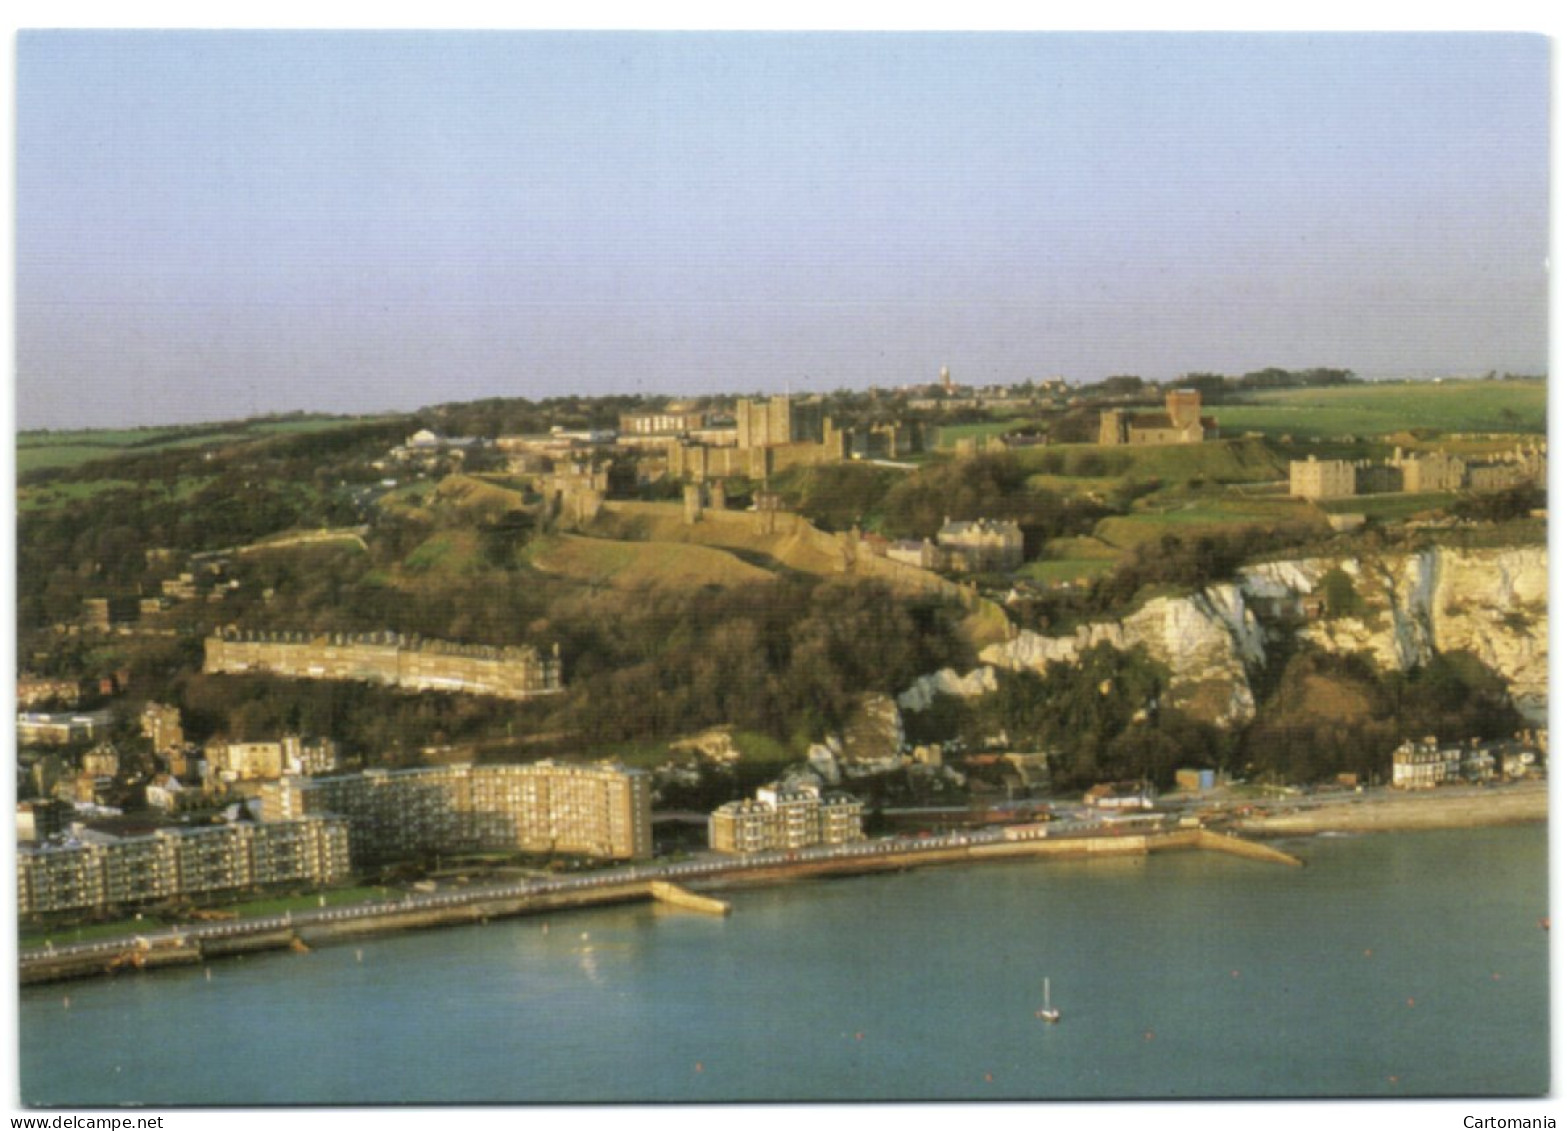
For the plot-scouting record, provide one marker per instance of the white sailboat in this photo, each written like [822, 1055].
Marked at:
[1047, 1014]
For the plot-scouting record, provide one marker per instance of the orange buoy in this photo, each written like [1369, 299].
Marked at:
[699, 1066]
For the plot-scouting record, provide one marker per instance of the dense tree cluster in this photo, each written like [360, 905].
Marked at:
[985, 486]
[789, 658]
[1193, 562]
[1332, 714]
[1501, 506]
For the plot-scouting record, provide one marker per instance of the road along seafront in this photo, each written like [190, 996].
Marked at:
[672, 882]
[1445, 807]
[302, 930]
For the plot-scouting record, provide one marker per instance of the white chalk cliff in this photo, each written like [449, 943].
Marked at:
[1489, 602]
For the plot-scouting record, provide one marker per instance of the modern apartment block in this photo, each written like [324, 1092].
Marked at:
[603, 810]
[101, 871]
[784, 818]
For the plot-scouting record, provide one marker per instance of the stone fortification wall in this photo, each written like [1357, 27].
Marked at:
[389, 658]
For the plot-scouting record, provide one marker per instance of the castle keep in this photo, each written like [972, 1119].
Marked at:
[408, 662]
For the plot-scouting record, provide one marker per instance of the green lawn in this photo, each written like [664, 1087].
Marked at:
[1387, 506]
[31, 936]
[68, 936]
[948, 435]
[337, 897]
[1201, 514]
[1057, 570]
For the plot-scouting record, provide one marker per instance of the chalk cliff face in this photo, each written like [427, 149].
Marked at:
[1489, 602]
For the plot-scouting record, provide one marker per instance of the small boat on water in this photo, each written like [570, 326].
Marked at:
[1048, 1014]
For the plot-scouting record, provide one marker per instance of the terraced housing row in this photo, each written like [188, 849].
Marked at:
[408, 662]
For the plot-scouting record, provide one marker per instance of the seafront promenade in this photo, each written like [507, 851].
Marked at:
[302, 930]
[672, 882]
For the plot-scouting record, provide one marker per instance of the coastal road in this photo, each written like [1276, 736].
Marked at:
[686, 871]
[711, 867]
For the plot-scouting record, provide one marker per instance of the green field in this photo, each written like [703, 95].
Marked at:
[49, 449]
[1204, 514]
[948, 435]
[1387, 506]
[1380, 409]
[1059, 570]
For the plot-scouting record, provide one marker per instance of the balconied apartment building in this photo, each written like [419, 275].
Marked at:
[602, 810]
[102, 871]
[785, 818]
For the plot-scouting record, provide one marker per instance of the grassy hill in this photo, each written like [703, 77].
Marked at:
[476, 499]
[793, 545]
[639, 565]
[1241, 460]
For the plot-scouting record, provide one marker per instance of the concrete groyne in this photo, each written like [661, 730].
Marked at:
[677, 896]
[1250, 849]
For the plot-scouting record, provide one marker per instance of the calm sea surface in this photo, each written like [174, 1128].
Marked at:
[1394, 965]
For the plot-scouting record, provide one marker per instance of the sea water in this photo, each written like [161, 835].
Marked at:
[1410, 964]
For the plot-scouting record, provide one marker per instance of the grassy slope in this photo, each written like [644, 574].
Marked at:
[640, 565]
[791, 548]
[484, 502]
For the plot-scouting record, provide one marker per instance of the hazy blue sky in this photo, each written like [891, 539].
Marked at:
[215, 224]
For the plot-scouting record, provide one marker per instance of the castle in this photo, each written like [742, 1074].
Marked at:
[1182, 422]
[1415, 473]
[407, 662]
[775, 433]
